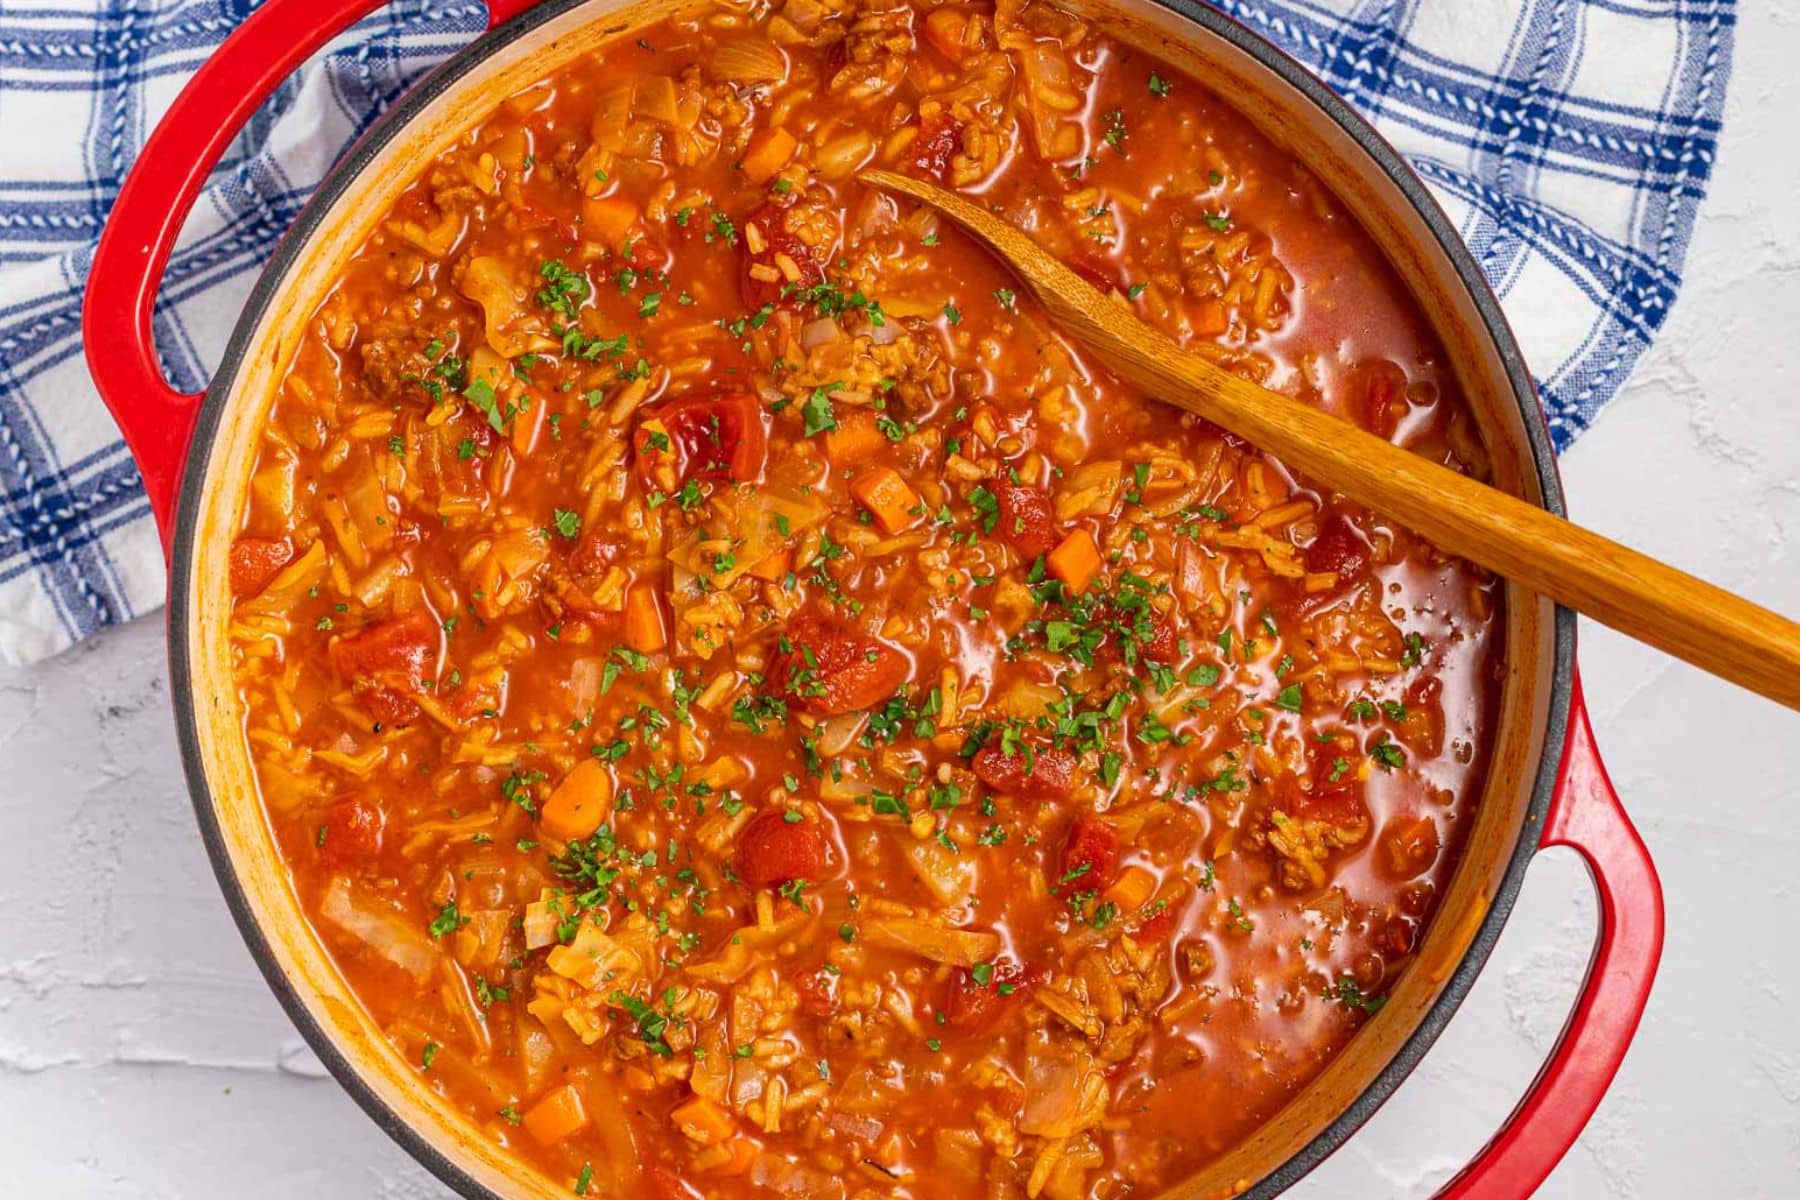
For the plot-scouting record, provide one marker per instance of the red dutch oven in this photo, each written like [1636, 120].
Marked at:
[1546, 785]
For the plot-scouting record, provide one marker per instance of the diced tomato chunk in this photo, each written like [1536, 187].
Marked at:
[1149, 635]
[350, 833]
[1045, 773]
[827, 669]
[1383, 386]
[593, 554]
[649, 253]
[388, 662]
[1338, 547]
[1162, 645]
[539, 210]
[397, 647]
[818, 992]
[1025, 522]
[472, 700]
[716, 436]
[1339, 804]
[1090, 857]
[780, 266]
[939, 140]
[386, 705]
[1156, 927]
[255, 561]
[773, 850]
[971, 1004]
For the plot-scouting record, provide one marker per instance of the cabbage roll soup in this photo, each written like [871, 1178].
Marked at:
[754, 711]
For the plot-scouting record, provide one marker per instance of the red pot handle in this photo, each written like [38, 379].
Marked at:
[157, 420]
[1585, 815]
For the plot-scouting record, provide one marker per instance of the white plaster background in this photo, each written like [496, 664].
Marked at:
[141, 1057]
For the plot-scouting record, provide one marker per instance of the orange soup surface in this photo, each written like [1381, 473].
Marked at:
[755, 711]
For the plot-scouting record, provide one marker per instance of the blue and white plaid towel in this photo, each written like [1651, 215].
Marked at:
[1570, 140]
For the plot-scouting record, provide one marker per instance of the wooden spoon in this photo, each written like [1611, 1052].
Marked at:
[1635, 594]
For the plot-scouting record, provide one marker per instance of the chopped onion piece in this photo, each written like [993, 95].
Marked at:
[750, 60]
[584, 683]
[957, 947]
[378, 927]
[821, 332]
[836, 734]
[947, 875]
[1063, 1095]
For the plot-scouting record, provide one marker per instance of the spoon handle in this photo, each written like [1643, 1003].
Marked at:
[1648, 600]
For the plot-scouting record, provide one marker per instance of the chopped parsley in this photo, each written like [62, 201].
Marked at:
[1115, 129]
[816, 411]
[1349, 993]
[448, 920]
[650, 1023]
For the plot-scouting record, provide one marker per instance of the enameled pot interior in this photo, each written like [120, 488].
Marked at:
[1294, 111]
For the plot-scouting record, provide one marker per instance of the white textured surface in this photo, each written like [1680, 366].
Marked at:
[142, 1057]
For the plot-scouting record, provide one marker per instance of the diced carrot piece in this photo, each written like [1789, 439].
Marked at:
[893, 504]
[580, 803]
[1210, 319]
[1132, 888]
[767, 153]
[855, 438]
[703, 1121]
[774, 567]
[607, 218]
[528, 424]
[556, 1116]
[644, 628]
[1075, 560]
[255, 561]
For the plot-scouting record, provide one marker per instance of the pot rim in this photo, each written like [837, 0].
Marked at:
[346, 172]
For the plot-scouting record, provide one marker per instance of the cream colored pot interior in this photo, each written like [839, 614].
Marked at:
[213, 511]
